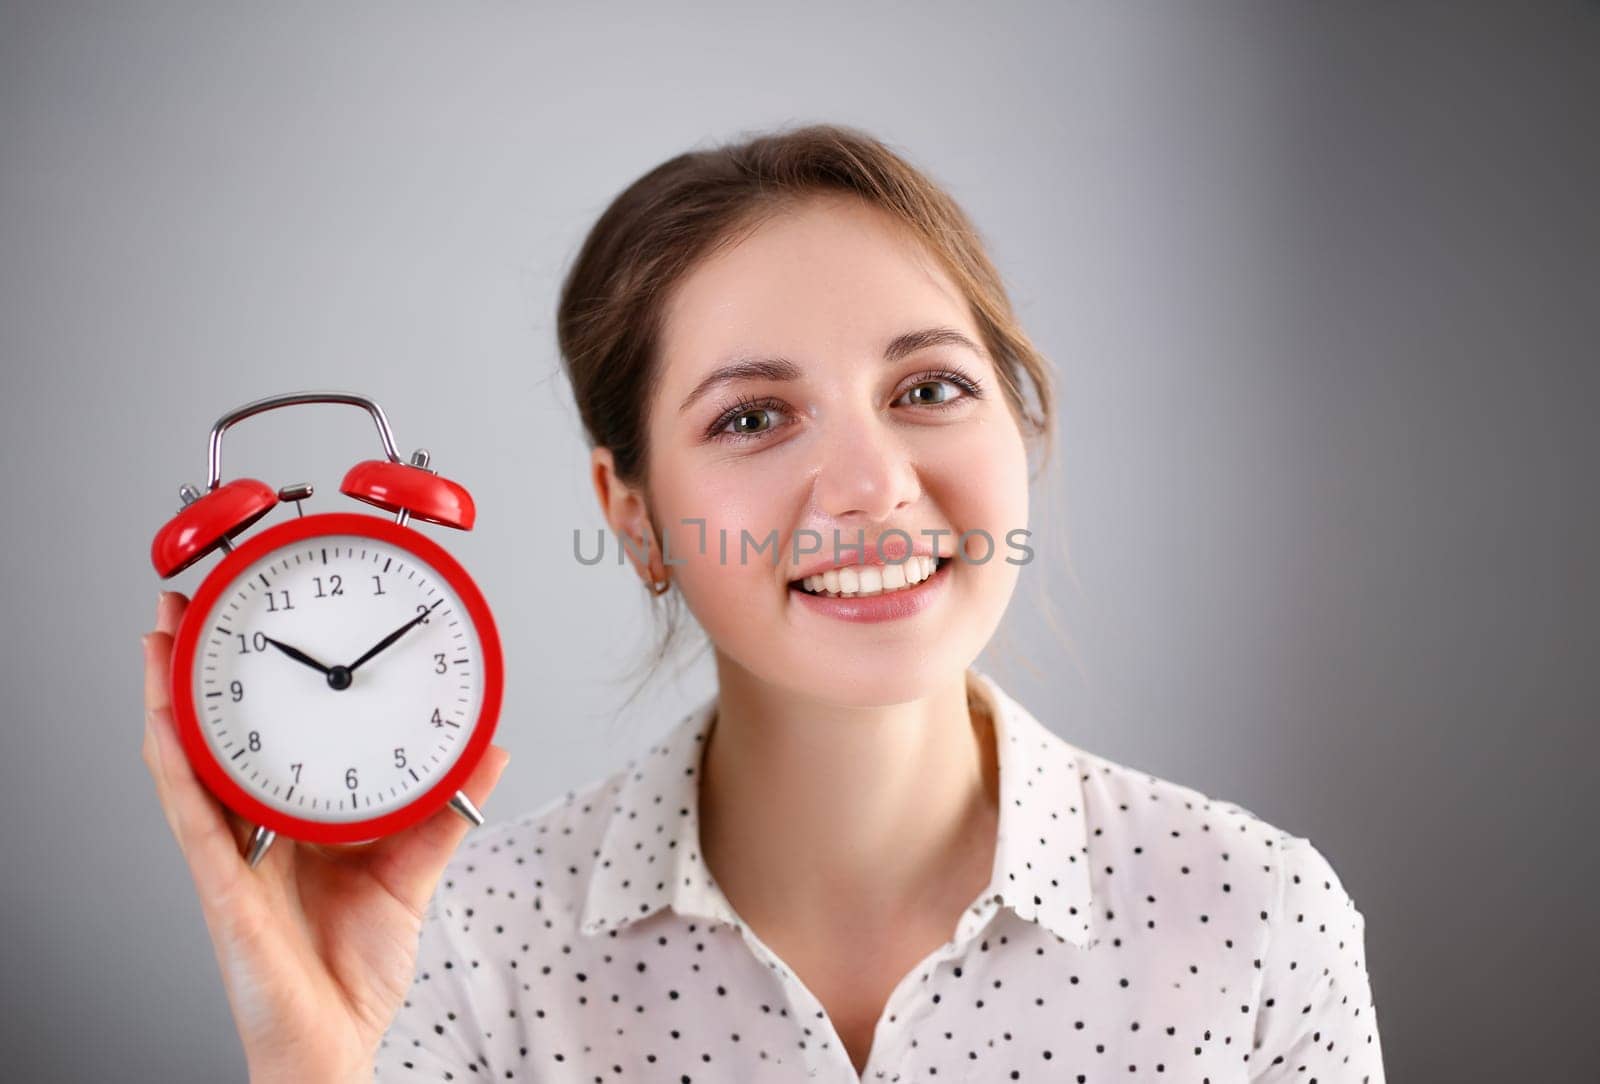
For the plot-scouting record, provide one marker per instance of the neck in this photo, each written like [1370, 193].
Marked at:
[808, 808]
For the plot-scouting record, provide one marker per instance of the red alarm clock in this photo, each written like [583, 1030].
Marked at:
[337, 676]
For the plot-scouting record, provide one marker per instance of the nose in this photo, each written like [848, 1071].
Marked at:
[866, 472]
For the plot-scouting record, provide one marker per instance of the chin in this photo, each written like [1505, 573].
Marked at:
[873, 677]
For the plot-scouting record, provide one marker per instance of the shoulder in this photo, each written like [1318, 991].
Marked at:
[1130, 806]
[1197, 871]
[540, 859]
[1150, 836]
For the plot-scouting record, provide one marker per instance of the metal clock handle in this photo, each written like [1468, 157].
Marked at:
[300, 491]
[273, 402]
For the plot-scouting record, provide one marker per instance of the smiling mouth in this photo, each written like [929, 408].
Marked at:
[865, 581]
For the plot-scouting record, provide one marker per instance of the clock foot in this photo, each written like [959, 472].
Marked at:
[260, 840]
[469, 812]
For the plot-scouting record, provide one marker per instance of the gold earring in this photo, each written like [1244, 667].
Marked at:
[661, 586]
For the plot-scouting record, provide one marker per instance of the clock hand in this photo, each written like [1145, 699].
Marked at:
[296, 654]
[393, 636]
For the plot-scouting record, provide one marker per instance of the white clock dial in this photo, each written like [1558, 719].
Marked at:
[290, 708]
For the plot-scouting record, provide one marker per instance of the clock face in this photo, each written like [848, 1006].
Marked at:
[337, 678]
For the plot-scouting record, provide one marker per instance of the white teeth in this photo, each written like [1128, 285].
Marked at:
[871, 579]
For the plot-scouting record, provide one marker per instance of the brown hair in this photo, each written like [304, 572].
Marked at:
[611, 312]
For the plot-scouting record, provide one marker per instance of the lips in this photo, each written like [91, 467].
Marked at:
[872, 579]
[885, 551]
[893, 605]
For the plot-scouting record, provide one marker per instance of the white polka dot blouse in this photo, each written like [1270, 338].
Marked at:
[1133, 930]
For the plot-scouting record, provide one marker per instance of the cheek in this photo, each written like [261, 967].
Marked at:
[733, 506]
[980, 482]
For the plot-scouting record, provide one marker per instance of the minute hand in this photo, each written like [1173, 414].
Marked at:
[393, 636]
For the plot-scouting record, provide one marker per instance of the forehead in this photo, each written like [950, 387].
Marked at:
[831, 275]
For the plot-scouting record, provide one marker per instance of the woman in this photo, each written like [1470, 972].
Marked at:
[811, 412]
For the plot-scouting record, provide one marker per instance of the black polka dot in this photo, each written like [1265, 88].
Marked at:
[1116, 939]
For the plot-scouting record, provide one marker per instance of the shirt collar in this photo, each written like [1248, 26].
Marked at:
[649, 856]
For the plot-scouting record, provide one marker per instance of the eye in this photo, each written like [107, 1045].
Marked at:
[746, 417]
[935, 386]
[743, 419]
[943, 379]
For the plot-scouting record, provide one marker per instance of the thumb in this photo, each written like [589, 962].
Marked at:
[410, 863]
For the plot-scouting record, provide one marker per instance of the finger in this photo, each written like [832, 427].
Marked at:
[410, 863]
[158, 695]
[157, 670]
[209, 841]
[151, 753]
[169, 611]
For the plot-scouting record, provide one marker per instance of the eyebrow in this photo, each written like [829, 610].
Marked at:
[783, 369]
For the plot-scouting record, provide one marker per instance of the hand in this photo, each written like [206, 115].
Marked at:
[317, 945]
[296, 654]
[393, 636]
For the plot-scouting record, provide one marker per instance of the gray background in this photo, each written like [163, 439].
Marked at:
[1320, 281]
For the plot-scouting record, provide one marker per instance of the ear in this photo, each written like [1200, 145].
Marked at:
[622, 505]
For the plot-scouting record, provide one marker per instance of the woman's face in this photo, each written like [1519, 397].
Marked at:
[848, 440]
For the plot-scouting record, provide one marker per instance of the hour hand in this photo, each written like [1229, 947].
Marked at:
[296, 654]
